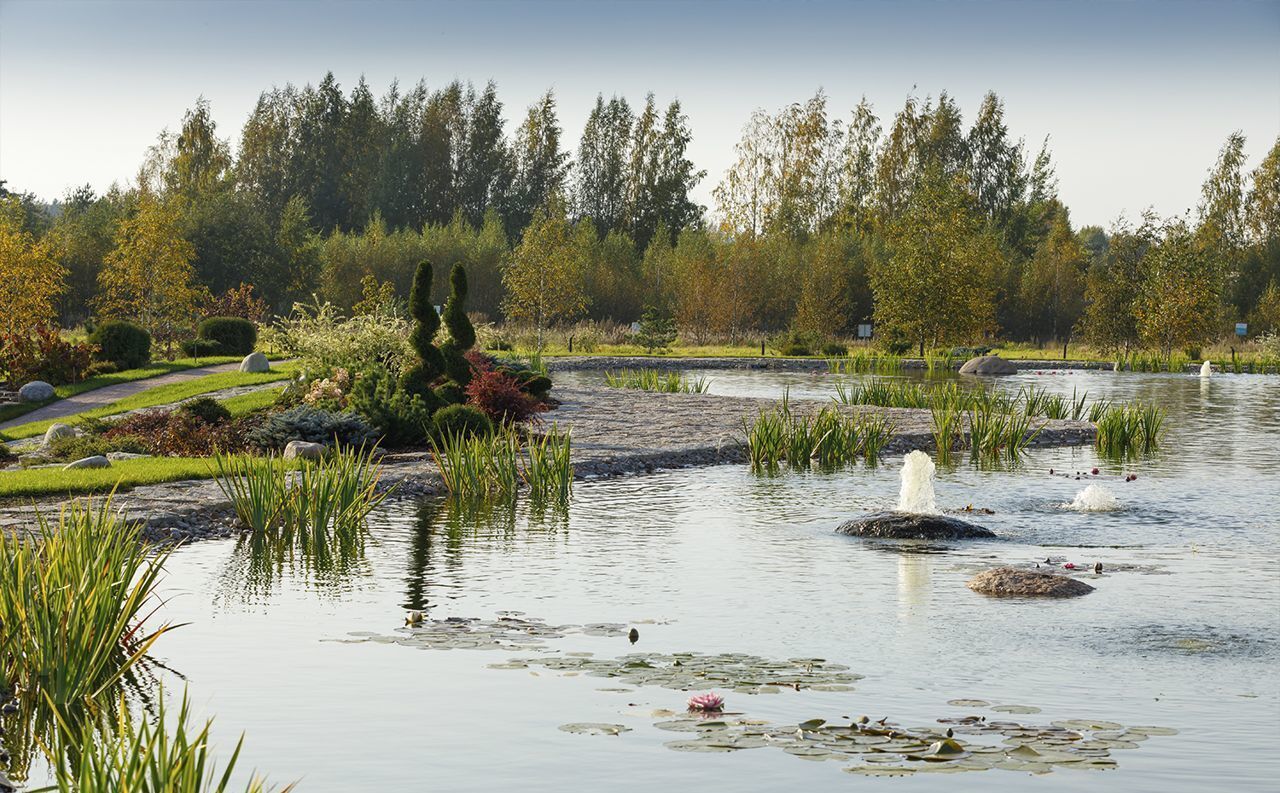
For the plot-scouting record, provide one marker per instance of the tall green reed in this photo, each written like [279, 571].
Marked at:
[75, 603]
[126, 756]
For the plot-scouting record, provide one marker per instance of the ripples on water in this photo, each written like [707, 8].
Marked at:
[1182, 630]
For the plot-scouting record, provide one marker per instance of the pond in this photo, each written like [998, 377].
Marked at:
[309, 655]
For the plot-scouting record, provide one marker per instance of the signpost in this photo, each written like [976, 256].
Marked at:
[1242, 329]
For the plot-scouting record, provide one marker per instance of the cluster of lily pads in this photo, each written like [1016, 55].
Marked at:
[881, 748]
[874, 748]
[509, 631]
[739, 672]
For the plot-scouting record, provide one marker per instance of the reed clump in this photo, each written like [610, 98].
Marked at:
[826, 439]
[76, 600]
[270, 493]
[495, 466]
[656, 380]
[1129, 430]
[119, 755]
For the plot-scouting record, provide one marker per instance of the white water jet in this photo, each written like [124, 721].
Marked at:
[1094, 498]
[1206, 369]
[916, 495]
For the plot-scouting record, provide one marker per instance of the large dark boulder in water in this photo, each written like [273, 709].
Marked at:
[988, 364]
[1012, 582]
[913, 526]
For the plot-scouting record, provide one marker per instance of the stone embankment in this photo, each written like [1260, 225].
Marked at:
[615, 432]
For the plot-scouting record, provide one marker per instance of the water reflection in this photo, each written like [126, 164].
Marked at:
[327, 560]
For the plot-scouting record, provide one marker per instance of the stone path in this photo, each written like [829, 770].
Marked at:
[100, 397]
[615, 432]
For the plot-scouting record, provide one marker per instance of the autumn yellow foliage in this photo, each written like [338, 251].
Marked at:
[30, 277]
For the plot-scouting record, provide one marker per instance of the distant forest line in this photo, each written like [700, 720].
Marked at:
[937, 229]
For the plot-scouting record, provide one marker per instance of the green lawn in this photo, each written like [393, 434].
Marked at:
[122, 474]
[247, 403]
[154, 369]
[162, 395]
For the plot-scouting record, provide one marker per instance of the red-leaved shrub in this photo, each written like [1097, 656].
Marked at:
[177, 433]
[480, 361]
[498, 395]
[43, 354]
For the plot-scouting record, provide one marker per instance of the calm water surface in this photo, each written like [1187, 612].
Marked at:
[1185, 632]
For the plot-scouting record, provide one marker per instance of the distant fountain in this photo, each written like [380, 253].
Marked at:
[1094, 498]
[917, 516]
[1206, 369]
[916, 495]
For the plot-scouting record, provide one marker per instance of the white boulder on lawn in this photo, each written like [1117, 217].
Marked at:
[302, 450]
[57, 431]
[35, 391]
[97, 461]
[255, 362]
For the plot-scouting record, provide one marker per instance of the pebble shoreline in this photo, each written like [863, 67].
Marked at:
[616, 432]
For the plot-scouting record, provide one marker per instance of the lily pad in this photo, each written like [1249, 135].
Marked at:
[595, 728]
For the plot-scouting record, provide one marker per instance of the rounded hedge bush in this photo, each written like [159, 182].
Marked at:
[200, 348]
[461, 421]
[235, 336]
[124, 344]
[207, 409]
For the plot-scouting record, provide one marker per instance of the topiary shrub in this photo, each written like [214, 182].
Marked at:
[233, 335]
[420, 378]
[449, 394]
[309, 424]
[207, 409]
[124, 344]
[462, 335]
[461, 421]
[500, 397]
[402, 418]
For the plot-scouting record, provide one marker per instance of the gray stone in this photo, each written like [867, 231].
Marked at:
[35, 391]
[1012, 582]
[302, 450]
[255, 362]
[988, 364]
[913, 526]
[57, 431]
[97, 461]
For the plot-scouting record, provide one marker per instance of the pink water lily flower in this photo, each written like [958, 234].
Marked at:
[706, 702]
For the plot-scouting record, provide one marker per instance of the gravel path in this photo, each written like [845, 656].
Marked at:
[615, 432]
[100, 397]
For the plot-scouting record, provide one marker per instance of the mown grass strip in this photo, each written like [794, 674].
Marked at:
[123, 474]
[161, 395]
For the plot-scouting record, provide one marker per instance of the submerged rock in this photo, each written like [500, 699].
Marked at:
[988, 364]
[913, 526]
[1011, 582]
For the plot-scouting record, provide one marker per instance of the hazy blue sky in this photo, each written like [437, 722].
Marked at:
[1137, 96]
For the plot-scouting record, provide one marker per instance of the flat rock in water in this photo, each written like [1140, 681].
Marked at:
[988, 364]
[1011, 582]
[97, 461]
[913, 526]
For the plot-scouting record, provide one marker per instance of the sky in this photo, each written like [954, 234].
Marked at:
[1137, 96]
